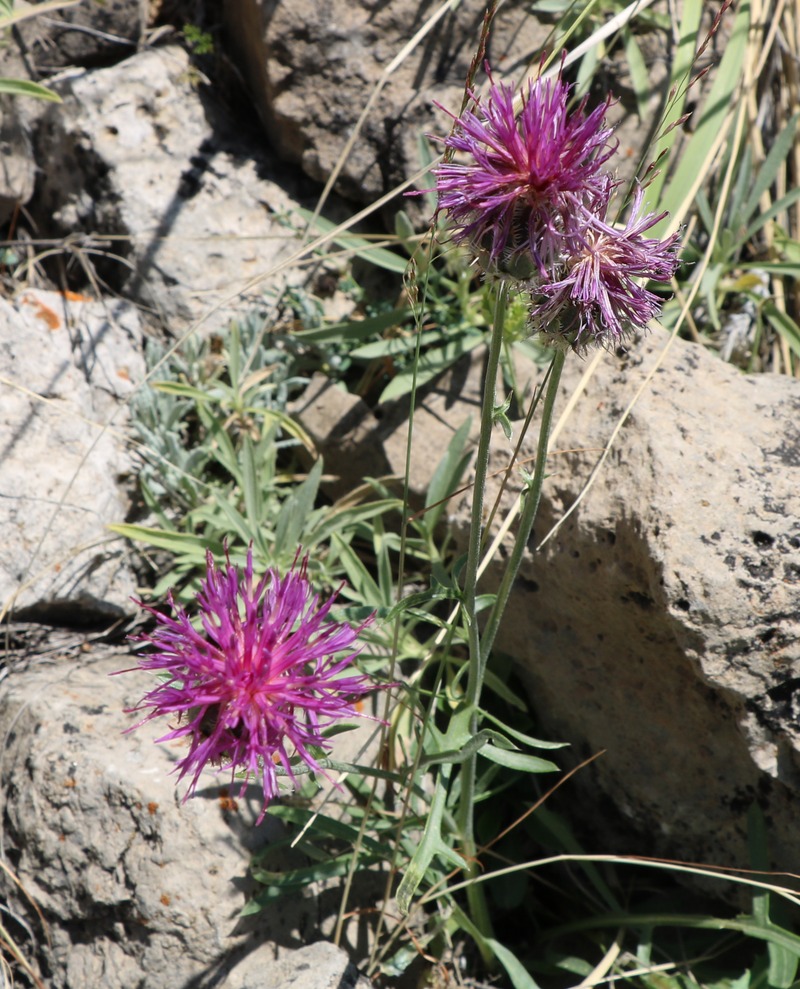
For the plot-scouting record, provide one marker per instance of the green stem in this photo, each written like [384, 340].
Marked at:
[530, 507]
[475, 894]
[474, 681]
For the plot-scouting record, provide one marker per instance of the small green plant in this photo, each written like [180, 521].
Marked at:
[220, 462]
[199, 41]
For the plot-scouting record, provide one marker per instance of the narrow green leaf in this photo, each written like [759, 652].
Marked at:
[519, 975]
[315, 873]
[180, 543]
[181, 389]
[715, 108]
[778, 153]
[359, 246]
[357, 574]
[640, 78]
[224, 515]
[677, 93]
[778, 207]
[518, 736]
[23, 87]
[344, 519]
[737, 217]
[395, 346]
[431, 363]
[520, 761]
[448, 473]
[493, 682]
[359, 329]
[747, 926]
[321, 825]
[295, 511]
[783, 961]
[221, 447]
[251, 490]
[784, 325]
[789, 269]
[432, 844]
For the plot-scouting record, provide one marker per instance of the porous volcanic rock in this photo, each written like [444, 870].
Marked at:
[661, 621]
[179, 214]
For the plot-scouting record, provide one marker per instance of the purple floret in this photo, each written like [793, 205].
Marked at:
[597, 298]
[260, 683]
[524, 178]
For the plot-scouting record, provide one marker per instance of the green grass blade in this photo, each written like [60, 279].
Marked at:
[640, 79]
[778, 207]
[431, 364]
[679, 84]
[183, 544]
[692, 165]
[359, 329]
[295, 511]
[358, 246]
[784, 325]
[768, 172]
[517, 973]
[23, 87]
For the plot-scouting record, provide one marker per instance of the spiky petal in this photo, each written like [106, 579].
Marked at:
[257, 680]
[596, 298]
[523, 179]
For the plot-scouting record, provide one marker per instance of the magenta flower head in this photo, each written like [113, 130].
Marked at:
[594, 296]
[254, 683]
[517, 184]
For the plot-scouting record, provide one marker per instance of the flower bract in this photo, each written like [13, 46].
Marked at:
[256, 679]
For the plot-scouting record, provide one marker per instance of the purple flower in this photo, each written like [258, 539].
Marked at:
[258, 681]
[594, 296]
[525, 178]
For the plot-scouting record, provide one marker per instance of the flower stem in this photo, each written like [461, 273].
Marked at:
[475, 894]
[475, 678]
[530, 507]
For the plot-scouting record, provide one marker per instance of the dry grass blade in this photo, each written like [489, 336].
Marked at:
[7, 942]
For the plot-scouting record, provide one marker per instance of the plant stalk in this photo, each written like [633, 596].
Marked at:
[475, 894]
[527, 517]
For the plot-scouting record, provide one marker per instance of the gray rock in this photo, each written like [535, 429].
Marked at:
[313, 67]
[138, 889]
[68, 364]
[83, 34]
[661, 622]
[134, 155]
[17, 170]
[316, 966]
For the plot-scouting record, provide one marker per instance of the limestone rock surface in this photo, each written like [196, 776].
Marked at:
[181, 214]
[82, 34]
[68, 365]
[138, 889]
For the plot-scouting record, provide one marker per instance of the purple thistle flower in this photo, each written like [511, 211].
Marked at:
[260, 683]
[525, 178]
[597, 298]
